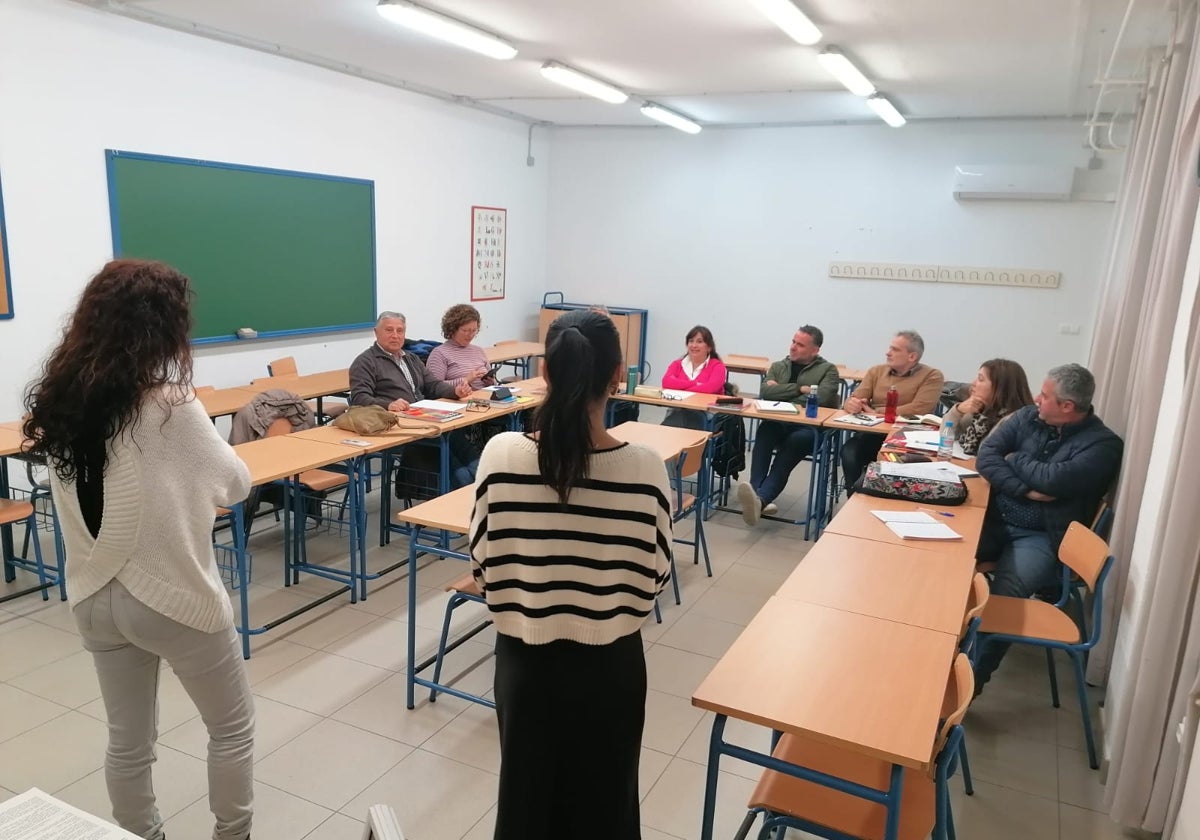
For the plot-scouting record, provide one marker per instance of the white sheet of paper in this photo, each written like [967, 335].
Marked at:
[936, 531]
[914, 517]
[958, 469]
[772, 405]
[932, 471]
[439, 405]
[511, 388]
[672, 394]
[36, 815]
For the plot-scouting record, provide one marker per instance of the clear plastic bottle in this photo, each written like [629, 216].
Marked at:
[946, 441]
[810, 404]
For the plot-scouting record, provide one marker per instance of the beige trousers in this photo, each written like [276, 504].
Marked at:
[128, 642]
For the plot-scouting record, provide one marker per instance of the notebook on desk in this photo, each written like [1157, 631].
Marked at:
[438, 412]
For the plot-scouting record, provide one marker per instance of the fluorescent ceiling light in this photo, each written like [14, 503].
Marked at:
[575, 80]
[838, 66]
[445, 28]
[785, 15]
[886, 110]
[658, 112]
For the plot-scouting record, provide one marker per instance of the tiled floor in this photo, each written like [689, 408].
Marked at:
[334, 737]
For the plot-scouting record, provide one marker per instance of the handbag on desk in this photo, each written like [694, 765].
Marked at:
[929, 491]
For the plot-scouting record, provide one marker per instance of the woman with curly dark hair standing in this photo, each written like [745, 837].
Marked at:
[138, 471]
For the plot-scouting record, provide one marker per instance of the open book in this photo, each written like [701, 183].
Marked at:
[434, 410]
[773, 405]
[859, 419]
[927, 419]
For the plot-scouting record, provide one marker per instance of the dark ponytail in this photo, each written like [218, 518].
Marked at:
[583, 352]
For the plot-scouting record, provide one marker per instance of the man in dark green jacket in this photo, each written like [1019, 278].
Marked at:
[780, 446]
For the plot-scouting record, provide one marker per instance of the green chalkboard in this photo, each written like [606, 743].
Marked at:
[279, 252]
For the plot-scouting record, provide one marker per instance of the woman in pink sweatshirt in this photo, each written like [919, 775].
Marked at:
[700, 369]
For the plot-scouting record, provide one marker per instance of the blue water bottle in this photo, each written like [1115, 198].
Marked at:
[810, 405]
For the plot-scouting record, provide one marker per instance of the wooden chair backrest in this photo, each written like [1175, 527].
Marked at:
[1102, 522]
[1084, 552]
[960, 690]
[692, 458]
[279, 426]
[976, 601]
[283, 367]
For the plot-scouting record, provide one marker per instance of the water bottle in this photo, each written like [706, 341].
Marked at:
[631, 379]
[946, 441]
[893, 400]
[810, 404]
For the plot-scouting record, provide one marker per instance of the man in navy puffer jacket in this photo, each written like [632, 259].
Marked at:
[1049, 465]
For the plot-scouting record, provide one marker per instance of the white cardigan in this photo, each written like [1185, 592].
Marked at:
[164, 479]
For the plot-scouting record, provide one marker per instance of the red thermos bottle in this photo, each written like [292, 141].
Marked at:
[893, 400]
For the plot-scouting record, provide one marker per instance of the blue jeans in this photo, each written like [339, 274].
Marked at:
[789, 444]
[1027, 565]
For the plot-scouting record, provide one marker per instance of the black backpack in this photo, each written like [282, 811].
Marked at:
[729, 445]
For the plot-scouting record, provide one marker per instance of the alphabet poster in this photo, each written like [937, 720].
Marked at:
[6, 307]
[488, 231]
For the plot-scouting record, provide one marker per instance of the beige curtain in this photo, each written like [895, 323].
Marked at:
[1138, 327]
[1140, 295]
[1148, 763]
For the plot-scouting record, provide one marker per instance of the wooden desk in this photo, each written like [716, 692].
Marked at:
[512, 350]
[893, 582]
[226, 400]
[667, 441]
[375, 443]
[282, 457]
[861, 683]
[519, 354]
[737, 363]
[451, 512]
[306, 386]
[855, 520]
[11, 424]
[851, 374]
[798, 417]
[11, 440]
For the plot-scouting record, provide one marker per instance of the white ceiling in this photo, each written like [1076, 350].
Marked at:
[719, 61]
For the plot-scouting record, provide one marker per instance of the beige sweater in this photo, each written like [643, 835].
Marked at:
[163, 482]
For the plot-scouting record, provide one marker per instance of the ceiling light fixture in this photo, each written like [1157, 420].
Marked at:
[785, 15]
[671, 118]
[445, 28]
[835, 62]
[887, 112]
[567, 77]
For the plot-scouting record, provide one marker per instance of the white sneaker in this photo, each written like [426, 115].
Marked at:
[751, 504]
[770, 509]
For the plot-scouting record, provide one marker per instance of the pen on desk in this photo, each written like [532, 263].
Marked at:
[938, 512]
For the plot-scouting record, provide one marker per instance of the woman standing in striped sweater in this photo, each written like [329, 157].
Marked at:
[571, 544]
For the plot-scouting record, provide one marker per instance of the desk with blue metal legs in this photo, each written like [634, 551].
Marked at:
[863, 684]
[519, 354]
[284, 458]
[815, 509]
[450, 513]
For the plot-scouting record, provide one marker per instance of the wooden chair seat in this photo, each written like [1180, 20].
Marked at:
[843, 812]
[223, 511]
[1028, 617]
[321, 480]
[466, 585]
[330, 409]
[14, 510]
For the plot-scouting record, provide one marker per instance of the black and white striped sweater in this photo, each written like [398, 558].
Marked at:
[587, 571]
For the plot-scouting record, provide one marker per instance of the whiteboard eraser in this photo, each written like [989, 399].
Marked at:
[246, 332]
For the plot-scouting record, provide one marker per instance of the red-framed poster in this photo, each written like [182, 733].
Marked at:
[489, 227]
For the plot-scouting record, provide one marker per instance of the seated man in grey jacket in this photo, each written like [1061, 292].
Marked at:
[1049, 465]
[385, 375]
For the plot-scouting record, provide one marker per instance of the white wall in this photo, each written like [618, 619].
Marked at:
[74, 82]
[735, 230]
